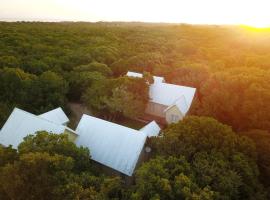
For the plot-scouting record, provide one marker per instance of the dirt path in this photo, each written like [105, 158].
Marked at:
[77, 110]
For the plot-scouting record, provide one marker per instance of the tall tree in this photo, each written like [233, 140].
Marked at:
[219, 159]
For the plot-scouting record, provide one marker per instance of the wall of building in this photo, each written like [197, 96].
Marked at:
[173, 115]
[155, 109]
[71, 136]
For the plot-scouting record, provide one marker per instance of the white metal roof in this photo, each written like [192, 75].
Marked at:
[134, 74]
[169, 94]
[157, 79]
[152, 129]
[110, 144]
[21, 123]
[57, 116]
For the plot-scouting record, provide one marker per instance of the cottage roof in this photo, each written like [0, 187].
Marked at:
[57, 116]
[152, 129]
[110, 144]
[170, 94]
[21, 123]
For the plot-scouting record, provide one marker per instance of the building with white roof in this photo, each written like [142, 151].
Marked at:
[21, 123]
[57, 116]
[151, 130]
[157, 79]
[168, 102]
[115, 146]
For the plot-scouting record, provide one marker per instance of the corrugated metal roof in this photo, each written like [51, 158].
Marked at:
[57, 116]
[152, 129]
[134, 74]
[157, 79]
[110, 144]
[169, 94]
[21, 123]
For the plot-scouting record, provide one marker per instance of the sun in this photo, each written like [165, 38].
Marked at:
[258, 23]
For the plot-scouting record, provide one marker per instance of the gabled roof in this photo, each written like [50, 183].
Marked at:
[170, 94]
[157, 79]
[21, 123]
[57, 116]
[151, 130]
[110, 144]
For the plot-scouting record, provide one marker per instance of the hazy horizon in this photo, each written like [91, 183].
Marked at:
[229, 12]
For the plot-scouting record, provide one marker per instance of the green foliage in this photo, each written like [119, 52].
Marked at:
[4, 112]
[35, 176]
[95, 67]
[118, 97]
[48, 166]
[229, 66]
[15, 85]
[56, 144]
[33, 93]
[80, 81]
[36, 66]
[7, 155]
[168, 178]
[219, 159]
[9, 61]
[49, 91]
[262, 140]
[238, 90]
[196, 134]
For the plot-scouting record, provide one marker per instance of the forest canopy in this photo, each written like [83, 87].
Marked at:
[47, 65]
[229, 65]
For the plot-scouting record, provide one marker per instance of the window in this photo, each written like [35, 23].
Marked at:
[174, 118]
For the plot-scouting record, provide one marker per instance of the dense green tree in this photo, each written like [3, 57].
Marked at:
[262, 141]
[238, 90]
[14, 85]
[7, 155]
[115, 97]
[141, 62]
[229, 66]
[5, 110]
[168, 178]
[35, 66]
[56, 144]
[80, 81]
[219, 159]
[95, 67]
[48, 166]
[105, 54]
[9, 61]
[35, 176]
[47, 92]
[33, 93]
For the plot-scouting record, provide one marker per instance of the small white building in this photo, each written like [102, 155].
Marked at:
[115, 146]
[21, 124]
[57, 116]
[157, 79]
[167, 101]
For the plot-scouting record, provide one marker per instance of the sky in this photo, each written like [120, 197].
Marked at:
[247, 12]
